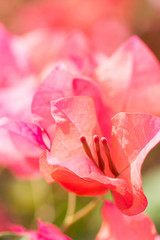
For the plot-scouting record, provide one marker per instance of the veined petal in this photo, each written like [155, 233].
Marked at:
[133, 137]
[74, 116]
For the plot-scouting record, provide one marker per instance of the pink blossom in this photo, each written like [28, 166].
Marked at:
[61, 43]
[13, 65]
[46, 231]
[17, 85]
[72, 117]
[75, 161]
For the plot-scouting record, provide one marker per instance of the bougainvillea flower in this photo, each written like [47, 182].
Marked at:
[80, 158]
[15, 100]
[46, 231]
[16, 81]
[130, 79]
[13, 64]
[36, 45]
[17, 86]
[61, 45]
[24, 164]
[20, 146]
[129, 227]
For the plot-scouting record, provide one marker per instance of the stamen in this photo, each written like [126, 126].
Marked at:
[86, 147]
[108, 154]
[97, 147]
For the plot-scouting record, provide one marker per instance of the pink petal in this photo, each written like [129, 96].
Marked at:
[24, 144]
[56, 85]
[133, 137]
[134, 227]
[46, 231]
[74, 116]
[50, 231]
[130, 79]
[60, 83]
[82, 56]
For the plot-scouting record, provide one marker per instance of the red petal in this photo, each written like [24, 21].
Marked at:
[81, 176]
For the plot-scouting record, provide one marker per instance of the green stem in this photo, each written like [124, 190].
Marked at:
[80, 214]
[71, 208]
[35, 202]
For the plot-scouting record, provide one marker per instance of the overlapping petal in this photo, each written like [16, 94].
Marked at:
[133, 136]
[61, 83]
[66, 162]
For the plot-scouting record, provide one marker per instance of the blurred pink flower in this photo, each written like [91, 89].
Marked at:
[46, 231]
[17, 84]
[60, 48]
[121, 227]
[13, 64]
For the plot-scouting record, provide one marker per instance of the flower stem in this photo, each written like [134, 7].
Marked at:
[80, 214]
[70, 209]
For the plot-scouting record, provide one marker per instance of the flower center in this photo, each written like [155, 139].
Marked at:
[97, 141]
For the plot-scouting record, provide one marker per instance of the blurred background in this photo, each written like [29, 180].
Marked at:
[22, 202]
[135, 17]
